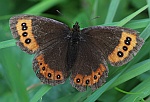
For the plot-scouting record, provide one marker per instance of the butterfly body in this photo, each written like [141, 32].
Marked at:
[73, 42]
[81, 54]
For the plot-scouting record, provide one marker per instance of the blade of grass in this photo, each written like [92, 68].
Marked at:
[66, 98]
[8, 43]
[142, 89]
[94, 13]
[81, 95]
[42, 6]
[40, 93]
[112, 10]
[145, 34]
[125, 92]
[101, 90]
[75, 97]
[148, 2]
[13, 75]
[133, 72]
[128, 18]
[135, 24]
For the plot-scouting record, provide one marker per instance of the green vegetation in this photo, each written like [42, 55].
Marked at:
[128, 83]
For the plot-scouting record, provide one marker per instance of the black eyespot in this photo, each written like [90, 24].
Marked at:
[95, 77]
[99, 73]
[24, 27]
[77, 80]
[120, 54]
[23, 24]
[43, 68]
[125, 48]
[28, 40]
[49, 75]
[40, 63]
[128, 39]
[24, 34]
[58, 76]
[87, 81]
[127, 42]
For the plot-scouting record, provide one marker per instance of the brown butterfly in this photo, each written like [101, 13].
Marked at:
[81, 54]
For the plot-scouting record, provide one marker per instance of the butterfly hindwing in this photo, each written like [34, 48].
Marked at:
[50, 63]
[90, 68]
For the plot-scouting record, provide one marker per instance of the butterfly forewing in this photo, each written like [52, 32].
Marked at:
[36, 33]
[116, 44]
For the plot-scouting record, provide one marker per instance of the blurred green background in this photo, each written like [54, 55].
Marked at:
[128, 83]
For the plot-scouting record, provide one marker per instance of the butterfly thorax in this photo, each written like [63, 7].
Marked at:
[73, 43]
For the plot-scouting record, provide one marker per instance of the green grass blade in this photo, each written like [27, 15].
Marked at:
[40, 93]
[42, 6]
[128, 18]
[136, 24]
[146, 33]
[143, 90]
[148, 2]
[101, 90]
[94, 13]
[133, 24]
[8, 43]
[133, 72]
[14, 76]
[112, 11]
[81, 95]
[75, 97]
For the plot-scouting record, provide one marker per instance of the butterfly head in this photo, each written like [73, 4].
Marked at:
[76, 27]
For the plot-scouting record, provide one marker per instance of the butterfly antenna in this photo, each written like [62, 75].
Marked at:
[59, 12]
[95, 17]
[64, 16]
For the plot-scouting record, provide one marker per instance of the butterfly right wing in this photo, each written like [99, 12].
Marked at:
[117, 44]
[101, 44]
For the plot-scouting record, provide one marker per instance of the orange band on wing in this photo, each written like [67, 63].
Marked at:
[26, 35]
[47, 72]
[122, 50]
[89, 80]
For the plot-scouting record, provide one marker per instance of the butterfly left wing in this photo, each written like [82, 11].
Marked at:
[46, 38]
[50, 63]
[35, 33]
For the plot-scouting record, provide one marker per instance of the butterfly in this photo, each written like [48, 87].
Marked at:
[82, 55]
